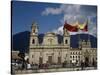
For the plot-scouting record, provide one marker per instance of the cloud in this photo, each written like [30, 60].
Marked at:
[54, 11]
[73, 13]
[62, 9]
[59, 30]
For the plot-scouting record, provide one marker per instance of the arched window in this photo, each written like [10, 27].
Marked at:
[33, 41]
[66, 41]
[76, 52]
[33, 30]
[50, 40]
[78, 56]
[32, 56]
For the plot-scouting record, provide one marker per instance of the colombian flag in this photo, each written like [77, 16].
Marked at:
[70, 27]
[83, 27]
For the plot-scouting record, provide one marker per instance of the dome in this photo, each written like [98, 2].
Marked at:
[50, 34]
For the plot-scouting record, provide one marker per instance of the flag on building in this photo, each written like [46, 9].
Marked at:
[75, 28]
[83, 27]
[70, 27]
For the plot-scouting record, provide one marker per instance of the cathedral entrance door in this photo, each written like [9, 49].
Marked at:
[40, 60]
[50, 59]
[86, 61]
[59, 60]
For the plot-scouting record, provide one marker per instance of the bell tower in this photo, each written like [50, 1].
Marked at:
[34, 34]
[66, 37]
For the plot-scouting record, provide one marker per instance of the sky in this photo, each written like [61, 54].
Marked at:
[51, 17]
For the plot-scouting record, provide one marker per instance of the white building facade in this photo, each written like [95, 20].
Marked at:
[52, 49]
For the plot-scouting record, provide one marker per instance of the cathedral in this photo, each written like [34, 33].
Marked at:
[50, 48]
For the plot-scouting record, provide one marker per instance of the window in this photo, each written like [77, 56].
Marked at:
[34, 31]
[59, 53]
[50, 40]
[70, 56]
[66, 41]
[76, 52]
[33, 41]
[66, 55]
[70, 61]
[79, 53]
[78, 56]
[32, 56]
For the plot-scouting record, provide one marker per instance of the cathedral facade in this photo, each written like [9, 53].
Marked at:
[51, 48]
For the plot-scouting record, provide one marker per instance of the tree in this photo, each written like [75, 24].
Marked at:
[82, 65]
[86, 61]
[94, 64]
[22, 56]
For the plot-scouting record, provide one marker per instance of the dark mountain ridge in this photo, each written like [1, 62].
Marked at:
[20, 41]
